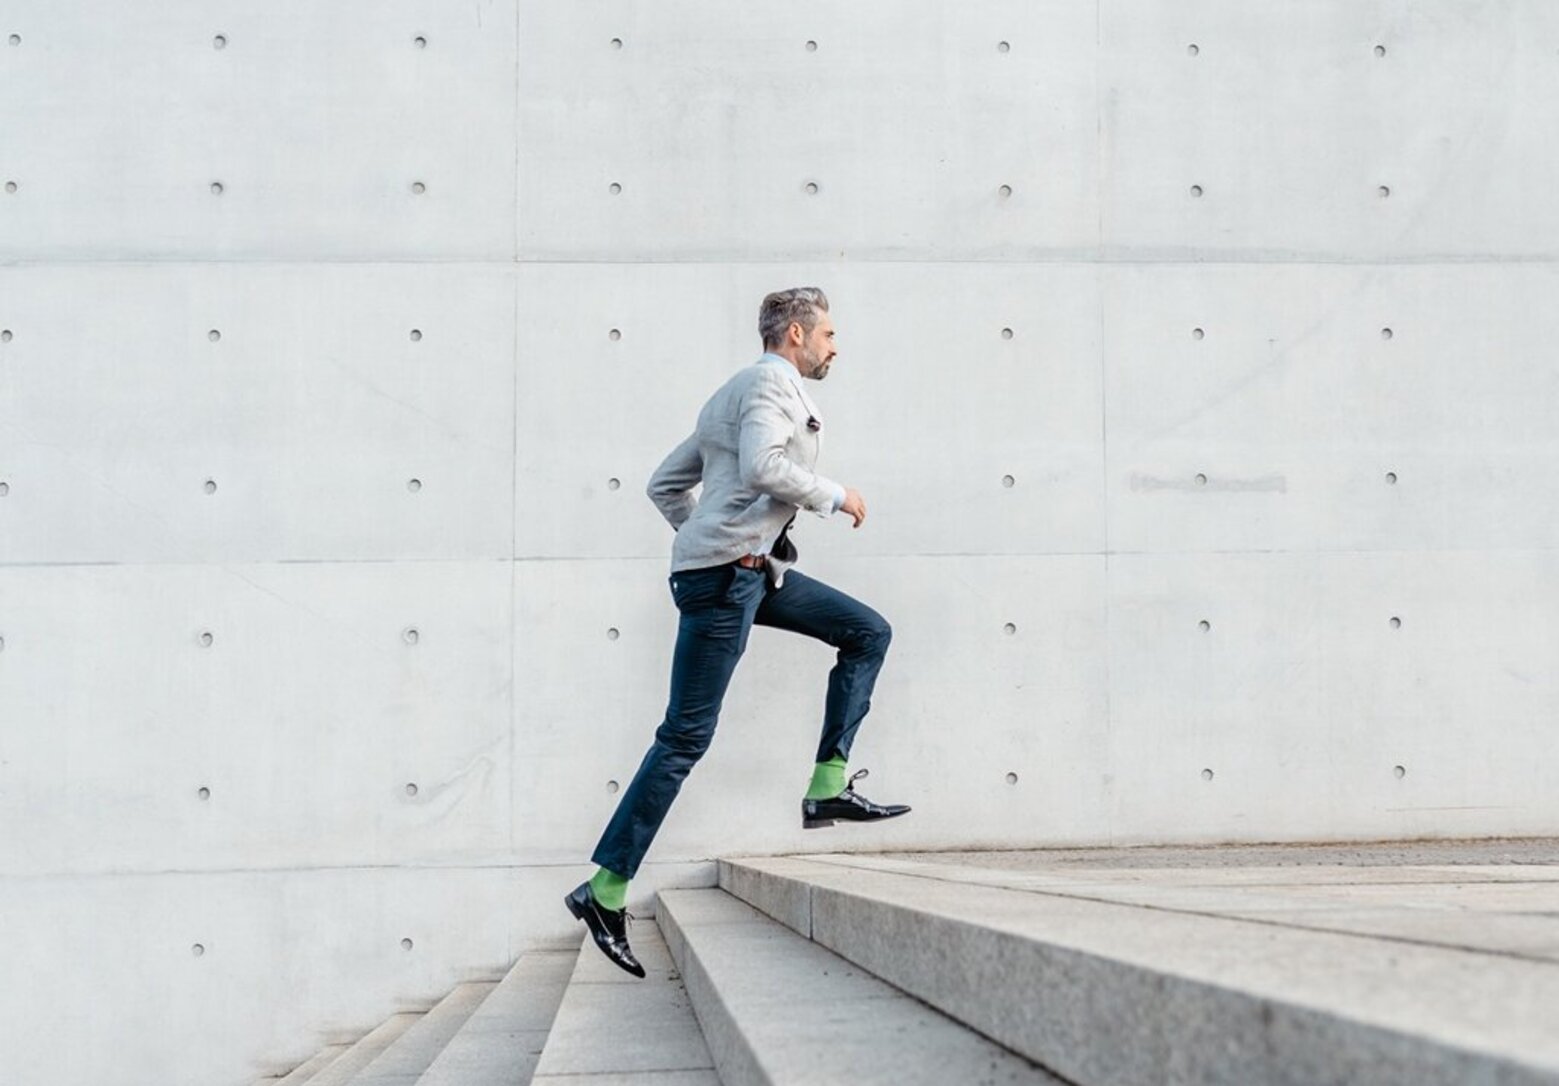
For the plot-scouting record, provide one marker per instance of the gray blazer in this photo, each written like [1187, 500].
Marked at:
[753, 448]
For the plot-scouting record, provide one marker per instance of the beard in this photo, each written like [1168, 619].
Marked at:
[817, 369]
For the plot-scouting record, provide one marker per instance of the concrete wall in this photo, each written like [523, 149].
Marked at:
[235, 632]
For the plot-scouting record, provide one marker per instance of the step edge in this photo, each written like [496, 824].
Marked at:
[766, 883]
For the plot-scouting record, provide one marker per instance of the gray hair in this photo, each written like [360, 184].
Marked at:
[799, 305]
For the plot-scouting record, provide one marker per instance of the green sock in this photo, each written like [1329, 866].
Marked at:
[609, 888]
[827, 779]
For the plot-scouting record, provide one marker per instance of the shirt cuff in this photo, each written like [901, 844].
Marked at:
[839, 496]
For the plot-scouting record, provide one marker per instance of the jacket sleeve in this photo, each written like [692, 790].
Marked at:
[766, 430]
[671, 486]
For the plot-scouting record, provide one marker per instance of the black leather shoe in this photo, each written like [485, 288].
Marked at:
[607, 927]
[849, 806]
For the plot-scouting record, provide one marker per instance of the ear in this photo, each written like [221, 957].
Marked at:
[797, 335]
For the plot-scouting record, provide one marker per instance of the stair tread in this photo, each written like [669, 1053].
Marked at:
[501, 1042]
[311, 1067]
[776, 1007]
[612, 1027]
[367, 1048]
[404, 1061]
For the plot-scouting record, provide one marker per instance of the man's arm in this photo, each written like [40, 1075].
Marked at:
[765, 431]
[671, 486]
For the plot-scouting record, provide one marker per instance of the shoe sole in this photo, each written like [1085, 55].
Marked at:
[823, 823]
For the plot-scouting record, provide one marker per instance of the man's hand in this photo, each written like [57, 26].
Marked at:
[854, 504]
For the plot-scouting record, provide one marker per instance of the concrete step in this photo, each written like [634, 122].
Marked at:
[1125, 976]
[776, 1008]
[305, 1070]
[365, 1051]
[614, 1029]
[311, 1067]
[405, 1060]
[500, 1044]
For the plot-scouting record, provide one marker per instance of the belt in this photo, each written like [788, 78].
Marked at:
[753, 561]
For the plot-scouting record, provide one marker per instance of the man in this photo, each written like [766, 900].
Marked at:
[753, 449]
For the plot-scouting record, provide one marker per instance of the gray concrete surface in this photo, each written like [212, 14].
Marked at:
[308, 1068]
[1103, 973]
[405, 1060]
[612, 1027]
[1388, 859]
[367, 1049]
[777, 1009]
[501, 1043]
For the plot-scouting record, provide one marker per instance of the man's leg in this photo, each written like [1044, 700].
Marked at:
[717, 605]
[808, 606]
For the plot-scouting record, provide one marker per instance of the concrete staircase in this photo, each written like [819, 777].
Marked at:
[1415, 964]
[1397, 965]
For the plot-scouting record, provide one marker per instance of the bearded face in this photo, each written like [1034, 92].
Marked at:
[817, 352]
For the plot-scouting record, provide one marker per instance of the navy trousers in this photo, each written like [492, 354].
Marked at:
[719, 606]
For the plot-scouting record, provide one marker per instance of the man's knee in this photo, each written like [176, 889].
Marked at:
[874, 637]
[685, 739]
